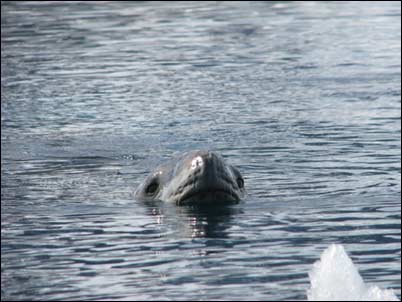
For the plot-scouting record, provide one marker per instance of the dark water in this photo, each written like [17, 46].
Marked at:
[304, 98]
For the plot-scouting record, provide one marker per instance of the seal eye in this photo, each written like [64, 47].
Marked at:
[152, 188]
[240, 182]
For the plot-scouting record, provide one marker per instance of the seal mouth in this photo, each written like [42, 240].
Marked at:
[215, 195]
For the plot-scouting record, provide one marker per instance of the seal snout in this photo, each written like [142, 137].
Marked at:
[206, 167]
[208, 178]
[197, 162]
[196, 177]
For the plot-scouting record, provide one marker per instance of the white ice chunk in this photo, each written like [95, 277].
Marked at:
[335, 278]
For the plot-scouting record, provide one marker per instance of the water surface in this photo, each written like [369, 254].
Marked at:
[304, 98]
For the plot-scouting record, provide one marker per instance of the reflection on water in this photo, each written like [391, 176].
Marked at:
[195, 221]
[302, 97]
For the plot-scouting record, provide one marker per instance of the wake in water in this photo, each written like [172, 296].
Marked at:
[335, 278]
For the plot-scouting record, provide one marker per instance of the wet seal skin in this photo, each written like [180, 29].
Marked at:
[195, 177]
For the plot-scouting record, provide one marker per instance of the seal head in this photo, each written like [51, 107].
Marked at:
[196, 177]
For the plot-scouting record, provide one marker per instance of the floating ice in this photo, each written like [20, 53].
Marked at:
[335, 278]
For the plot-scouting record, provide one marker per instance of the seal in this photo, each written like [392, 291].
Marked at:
[195, 177]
